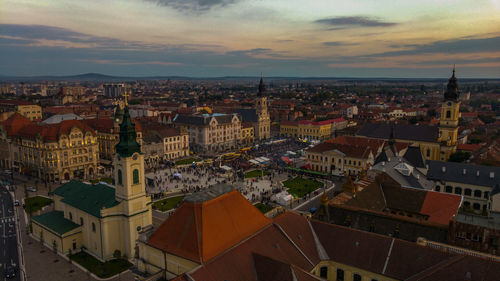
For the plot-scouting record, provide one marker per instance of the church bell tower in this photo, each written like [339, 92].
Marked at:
[263, 129]
[448, 124]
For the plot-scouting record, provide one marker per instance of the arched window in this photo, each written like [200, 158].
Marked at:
[135, 175]
[477, 193]
[93, 227]
[356, 277]
[81, 221]
[340, 274]
[323, 272]
[449, 189]
[120, 182]
[448, 114]
[468, 192]
[70, 216]
[438, 188]
[458, 190]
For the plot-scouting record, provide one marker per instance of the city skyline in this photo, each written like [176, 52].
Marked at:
[213, 38]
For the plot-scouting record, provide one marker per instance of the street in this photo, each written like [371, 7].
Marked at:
[8, 242]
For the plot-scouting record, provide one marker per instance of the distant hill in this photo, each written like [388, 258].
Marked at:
[110, 78]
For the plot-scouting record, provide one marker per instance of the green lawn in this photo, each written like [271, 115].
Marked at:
[168, 203]
[36, 203]
[263, 208]
[102, 270]
[255, 174]
[106, 180]
[300, 186]
[187, 161]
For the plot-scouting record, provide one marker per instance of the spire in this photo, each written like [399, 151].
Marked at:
[261, 86]
[128, 144]
[452, 92]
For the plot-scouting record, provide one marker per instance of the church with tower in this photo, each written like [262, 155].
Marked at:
[101, 219]
[258, 116]
[435, 142]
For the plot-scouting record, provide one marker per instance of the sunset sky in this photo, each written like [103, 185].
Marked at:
[207, 38]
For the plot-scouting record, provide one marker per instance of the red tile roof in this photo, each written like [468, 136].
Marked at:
[440, 207]
[349, 150]
[15, 102]
[15, 123]
[52, 132]
[468, 146]
[206, 229]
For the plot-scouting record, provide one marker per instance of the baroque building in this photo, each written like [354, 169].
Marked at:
[258, 116]
[100, 219]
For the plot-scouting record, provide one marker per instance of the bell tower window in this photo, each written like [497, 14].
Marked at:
[135, 175]
[448, 114]
[120, 181]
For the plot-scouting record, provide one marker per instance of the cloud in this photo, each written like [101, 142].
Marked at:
[194, 5]
[349, 22]
[338, 43]
[454, 46]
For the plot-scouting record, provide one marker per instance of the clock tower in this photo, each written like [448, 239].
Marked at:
[448, 124]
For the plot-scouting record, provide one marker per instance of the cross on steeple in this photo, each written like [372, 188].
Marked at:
[126, 95]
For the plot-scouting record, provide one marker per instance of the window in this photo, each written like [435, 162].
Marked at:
[135, 175]
[448, 114]
[120, 182]
[81, 221]
[449, 189]
[93, 227]
[476, 206]
[468, 192]
[428, 153]
[323, 272]
[340, 274]
[356, 277]
[458, 190]
[70, 216]
[438, 188]
[477, 193]
[486, 194]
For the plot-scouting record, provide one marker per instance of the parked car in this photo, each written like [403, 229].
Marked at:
[16, 203]
[31, 188]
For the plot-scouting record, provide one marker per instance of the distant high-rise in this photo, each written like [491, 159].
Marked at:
[114, 90]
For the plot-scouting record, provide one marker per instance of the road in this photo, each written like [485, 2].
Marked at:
[8, 241]
[314, 202]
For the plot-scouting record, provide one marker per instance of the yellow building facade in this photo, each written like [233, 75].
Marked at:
[102, 220]
[321, 130]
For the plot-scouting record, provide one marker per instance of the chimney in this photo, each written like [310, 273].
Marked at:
[443, 169]
[492, 175]
[465, 171]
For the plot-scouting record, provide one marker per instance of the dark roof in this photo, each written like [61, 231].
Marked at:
[414, 156]
[248, 115]
[55, 221]
[128, 144]
[88, 198]
[454, 172]
[401, 131]
[203, 120]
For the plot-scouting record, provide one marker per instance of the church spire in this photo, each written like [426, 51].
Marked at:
[261, 86]
[452, 92]
[128, 144]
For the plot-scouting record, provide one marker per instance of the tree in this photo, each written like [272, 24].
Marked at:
[459, 156]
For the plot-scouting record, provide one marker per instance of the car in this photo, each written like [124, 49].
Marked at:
[31, 188]
[10, 272]
[16, 203]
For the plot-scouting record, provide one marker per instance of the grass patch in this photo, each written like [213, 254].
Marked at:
[106, 180]
[36, 203]
[300, 186]
[187, 161]
[168, 203]
[102, 270]
[256, 174]
[263, 208]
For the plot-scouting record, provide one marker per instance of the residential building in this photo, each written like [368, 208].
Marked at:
[247, 133]
[258, 116]
[52, 152]
[211, 132]
[100, 219]
[26, 108]
[473, 182]
[113, 90]
[164, 143]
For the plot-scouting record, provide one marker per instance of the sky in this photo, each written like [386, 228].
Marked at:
[210, 38]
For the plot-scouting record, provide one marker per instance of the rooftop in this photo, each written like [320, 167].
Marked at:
[55, 221]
